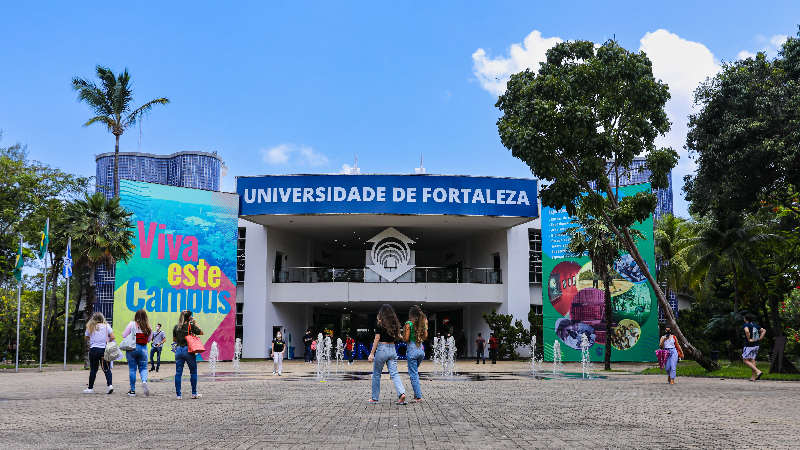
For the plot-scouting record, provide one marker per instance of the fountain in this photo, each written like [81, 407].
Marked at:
[536, 363]
[237, 355]
[438, 349]
[557, 366]
[323, 356]
[449, 360]
[586, 361]
[339, 353]
[213, 358]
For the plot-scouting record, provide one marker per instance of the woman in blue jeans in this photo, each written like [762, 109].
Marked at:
[185, 326]
[415, 332]
[137, 359]
[387, 331]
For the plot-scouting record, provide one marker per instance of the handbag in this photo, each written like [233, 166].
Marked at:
[194, 343]
[112, 352]
[129, 343]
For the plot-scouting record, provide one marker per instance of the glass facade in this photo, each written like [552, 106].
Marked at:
[198, 170]
[639, 173]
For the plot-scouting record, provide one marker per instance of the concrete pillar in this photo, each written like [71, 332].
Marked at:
[258, 311]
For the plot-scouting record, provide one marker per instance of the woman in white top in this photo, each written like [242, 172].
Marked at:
[670, 344]
[98, 333]
[137, 359]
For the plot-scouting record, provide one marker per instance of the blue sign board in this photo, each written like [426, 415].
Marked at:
[387, 194]
[555, 222]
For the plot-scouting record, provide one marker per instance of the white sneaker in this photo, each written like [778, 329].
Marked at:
[145, 389]
[273, 371]
[88, 391]
[279, 374]
[110, 389]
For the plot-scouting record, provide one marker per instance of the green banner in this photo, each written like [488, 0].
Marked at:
[573, 297]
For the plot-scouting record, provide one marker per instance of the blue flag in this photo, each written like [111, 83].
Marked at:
[68, 260]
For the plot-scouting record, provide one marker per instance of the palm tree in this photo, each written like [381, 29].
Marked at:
[722, 248]
[111, 104]
[672, 236]
[595, 239]
[102, 234]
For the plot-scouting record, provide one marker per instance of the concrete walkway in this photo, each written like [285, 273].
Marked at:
[488, 406]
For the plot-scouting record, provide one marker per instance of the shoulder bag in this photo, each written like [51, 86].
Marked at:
[112, 351]
[194, 343]
[129, 343]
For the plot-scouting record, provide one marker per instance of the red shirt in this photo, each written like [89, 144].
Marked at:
[493, 343]
[350, 343]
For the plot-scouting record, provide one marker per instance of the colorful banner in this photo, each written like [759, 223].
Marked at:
[573, 297]
[184, 258]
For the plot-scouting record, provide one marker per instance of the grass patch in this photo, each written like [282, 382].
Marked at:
[727, 370]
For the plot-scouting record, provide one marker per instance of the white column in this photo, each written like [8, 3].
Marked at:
[515, 277]
[257, 329]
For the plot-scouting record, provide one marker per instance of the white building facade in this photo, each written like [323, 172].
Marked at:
[326, 251]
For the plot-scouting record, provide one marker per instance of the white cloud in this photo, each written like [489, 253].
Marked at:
[494, 73]
[346, 168]
[683, 65]
[768, 45]
[293, 154]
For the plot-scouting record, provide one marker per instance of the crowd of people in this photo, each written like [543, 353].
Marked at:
[100, 335]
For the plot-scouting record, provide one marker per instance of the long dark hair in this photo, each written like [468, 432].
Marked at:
[388, 320]
[185, 316]
[420, 321]
[141, 319]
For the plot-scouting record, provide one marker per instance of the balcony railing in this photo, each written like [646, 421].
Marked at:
[366, 275]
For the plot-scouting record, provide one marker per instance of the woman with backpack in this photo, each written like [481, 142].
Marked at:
[415, 332]
[387, 331]
[98, 333]
[137, 358]
[186, 326]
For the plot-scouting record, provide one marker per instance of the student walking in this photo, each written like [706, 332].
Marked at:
[98, 333]
[753, 333]
[277, 347]
[350, 349]
[155, 348]
[307, 339]
[137, 359]
[415, 332]
[670, 344]
[186, 326]
[493, 345]
[480, 345]
[387, 332]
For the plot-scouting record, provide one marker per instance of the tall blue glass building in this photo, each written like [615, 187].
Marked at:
[199, 170]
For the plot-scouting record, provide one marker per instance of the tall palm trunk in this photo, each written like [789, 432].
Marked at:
[116, 167]
[88, 310]
[735, 301]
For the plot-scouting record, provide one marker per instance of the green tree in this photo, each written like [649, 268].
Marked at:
[586, 114]
[111, 102]
[672, 236]
[509, 336]
[102, 233]
[593, 238]
[746, 137]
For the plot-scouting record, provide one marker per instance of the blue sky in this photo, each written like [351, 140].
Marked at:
[301, 87]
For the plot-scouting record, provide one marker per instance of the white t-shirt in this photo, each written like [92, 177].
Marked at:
[98, 338]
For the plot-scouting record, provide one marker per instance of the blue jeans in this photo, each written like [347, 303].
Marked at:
[307, 354]
[480, 355]
[414, 356]
[137, 360]
[385, 354]
[672, 363]
[157, 351]
[182, 355]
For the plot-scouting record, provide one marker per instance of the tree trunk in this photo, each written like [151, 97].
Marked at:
[669, 316]
[775, 315]
[116, 167]
[88, 310]
[608, 315]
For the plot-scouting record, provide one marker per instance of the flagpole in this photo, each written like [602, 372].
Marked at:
[66, 296]
[19, 303]
[44, 296]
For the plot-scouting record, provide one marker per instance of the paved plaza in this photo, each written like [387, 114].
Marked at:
[487, 407]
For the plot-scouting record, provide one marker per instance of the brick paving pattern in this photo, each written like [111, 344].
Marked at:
[506, 409]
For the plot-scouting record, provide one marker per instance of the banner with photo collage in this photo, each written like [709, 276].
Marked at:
[573, 297]
[184, 258]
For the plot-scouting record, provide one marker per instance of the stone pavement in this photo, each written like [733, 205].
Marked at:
[493, 407]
